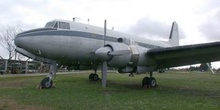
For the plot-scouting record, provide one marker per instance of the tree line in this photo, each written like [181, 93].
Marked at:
[7, 36]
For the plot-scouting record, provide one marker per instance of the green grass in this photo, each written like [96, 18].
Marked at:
[182, 91]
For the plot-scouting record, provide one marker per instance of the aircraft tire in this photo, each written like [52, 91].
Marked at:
[145, 82]
[95, 77]
[91, 76]
[153, 82]
[46, 83]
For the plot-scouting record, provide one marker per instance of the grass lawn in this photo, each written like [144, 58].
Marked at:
[182, 91]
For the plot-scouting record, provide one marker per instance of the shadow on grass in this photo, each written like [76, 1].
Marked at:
[121, 86]
[127, 86]
[161, 89]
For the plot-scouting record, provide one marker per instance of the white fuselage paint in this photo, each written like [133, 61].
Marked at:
[75, 44]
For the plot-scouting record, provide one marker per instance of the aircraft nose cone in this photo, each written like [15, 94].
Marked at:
[17, 41]
[22, 42]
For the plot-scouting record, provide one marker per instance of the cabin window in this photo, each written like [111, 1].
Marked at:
[64, 25]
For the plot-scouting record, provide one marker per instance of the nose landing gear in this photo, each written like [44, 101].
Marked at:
[47, 82]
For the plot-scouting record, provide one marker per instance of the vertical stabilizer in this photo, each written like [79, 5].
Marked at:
[174, 35]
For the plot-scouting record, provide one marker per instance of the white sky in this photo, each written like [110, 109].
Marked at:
[198, 20]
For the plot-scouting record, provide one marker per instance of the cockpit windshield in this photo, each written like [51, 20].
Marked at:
[60, 25]
[50, 24]
[64, 25]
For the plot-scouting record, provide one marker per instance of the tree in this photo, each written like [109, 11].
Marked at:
[7, 35]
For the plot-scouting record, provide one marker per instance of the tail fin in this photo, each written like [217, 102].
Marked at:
[174, 35]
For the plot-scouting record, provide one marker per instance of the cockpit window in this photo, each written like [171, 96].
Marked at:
[56, 25]
[61, 25]
[49, 24]
[64, 25]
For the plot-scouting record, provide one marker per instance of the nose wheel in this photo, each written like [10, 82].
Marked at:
[46, 83]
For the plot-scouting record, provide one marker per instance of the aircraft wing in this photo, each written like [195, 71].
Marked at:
[185, 55]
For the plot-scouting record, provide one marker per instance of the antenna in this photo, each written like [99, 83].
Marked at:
[76, 18]
[105, 24]
[88, 20]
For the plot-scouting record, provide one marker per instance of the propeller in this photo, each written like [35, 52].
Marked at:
[104, 74]
[119, 52]
[106, 53]
[104, 63]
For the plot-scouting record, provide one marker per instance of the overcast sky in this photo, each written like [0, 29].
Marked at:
[198, 20]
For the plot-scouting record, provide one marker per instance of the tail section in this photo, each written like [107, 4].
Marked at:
[174, 35]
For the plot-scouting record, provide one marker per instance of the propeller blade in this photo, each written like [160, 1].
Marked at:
[103, 53]
[105, 25]
[120, 52]
[104, 74]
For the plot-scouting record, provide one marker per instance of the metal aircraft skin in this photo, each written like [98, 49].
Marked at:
[86, 46]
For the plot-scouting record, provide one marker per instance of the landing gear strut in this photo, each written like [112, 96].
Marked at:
[149, 82]
[94, 76]
[47, 82]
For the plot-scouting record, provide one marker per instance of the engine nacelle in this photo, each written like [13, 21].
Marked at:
[118, 55]
[121, 60]
[122, 56]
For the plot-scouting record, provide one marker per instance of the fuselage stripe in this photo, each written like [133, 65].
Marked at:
[88, 35]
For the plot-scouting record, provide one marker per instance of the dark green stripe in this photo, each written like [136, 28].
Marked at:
[78, 34]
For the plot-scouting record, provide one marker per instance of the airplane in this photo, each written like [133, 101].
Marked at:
[86, 46]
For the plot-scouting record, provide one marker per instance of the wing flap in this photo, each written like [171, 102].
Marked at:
[185, 55]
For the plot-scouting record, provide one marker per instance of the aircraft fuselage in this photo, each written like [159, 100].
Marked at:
[75, 45]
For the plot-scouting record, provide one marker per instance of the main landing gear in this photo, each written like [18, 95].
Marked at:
[94, 76]
[131, 75]
[149, 82]
[47, 82]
